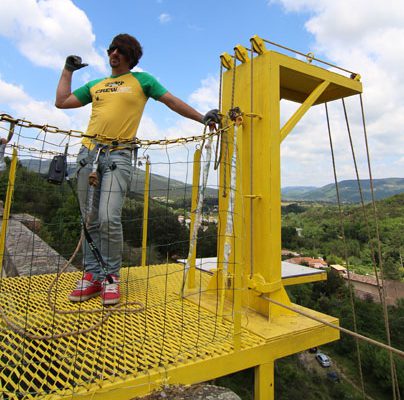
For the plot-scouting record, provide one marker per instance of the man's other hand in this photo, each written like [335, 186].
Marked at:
[73, 63]
[211, 117]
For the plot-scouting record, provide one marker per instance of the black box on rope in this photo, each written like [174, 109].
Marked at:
[57, 170]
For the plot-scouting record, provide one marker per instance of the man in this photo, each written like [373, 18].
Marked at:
[117, 105]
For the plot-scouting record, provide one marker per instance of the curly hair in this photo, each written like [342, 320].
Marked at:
[129, 43]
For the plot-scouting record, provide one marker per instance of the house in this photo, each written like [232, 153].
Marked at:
[289, 253]
[339, 269]
[318, 263]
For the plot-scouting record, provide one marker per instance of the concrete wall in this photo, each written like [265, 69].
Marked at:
[394, 290]
[26, 253]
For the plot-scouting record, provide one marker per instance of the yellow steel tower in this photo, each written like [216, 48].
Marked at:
[252, 277]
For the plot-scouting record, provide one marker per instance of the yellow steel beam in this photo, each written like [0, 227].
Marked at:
[298, 280]
[271, 269]
[298, 79]
[295, 118]
[7, 207]
[264, 381]
[239, 261]
[145, 212]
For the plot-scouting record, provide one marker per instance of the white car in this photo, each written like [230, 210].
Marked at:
[323, 359]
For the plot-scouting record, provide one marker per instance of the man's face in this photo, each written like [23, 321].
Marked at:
[118, 56]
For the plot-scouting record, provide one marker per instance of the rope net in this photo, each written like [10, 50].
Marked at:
[52, 345]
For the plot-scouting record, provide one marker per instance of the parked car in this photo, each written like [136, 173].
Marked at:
[333, 376]
[313, 350]
[323, 360]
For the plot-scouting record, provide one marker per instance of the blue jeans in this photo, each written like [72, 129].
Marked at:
[103, 219]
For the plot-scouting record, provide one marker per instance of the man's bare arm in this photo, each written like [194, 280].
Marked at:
[64, 96]
[180, 107]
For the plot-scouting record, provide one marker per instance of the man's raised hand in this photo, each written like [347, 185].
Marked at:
[73, 63]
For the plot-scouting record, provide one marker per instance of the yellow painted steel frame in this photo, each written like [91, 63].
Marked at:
[145, 212]
[269, 77]
[7, 207]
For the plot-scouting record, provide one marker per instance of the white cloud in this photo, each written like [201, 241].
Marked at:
[46, 31]
[11, 94]
[362, 36]
[21, 105]
[206, 97]
[164, 18]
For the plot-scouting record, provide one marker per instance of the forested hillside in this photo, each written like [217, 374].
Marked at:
[327, 233]
[348, 191]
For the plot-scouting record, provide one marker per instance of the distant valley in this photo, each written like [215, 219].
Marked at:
[161, 186]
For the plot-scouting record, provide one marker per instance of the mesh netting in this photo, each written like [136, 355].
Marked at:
[52, 345]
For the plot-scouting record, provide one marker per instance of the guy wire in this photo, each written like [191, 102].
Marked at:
[342, 231]
[381, 287]
[252, 166]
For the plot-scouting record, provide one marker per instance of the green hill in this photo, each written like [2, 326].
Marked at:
[160, 186]
[163, 187]
[348, 190]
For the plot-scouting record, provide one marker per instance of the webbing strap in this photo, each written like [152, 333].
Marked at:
[94, 249]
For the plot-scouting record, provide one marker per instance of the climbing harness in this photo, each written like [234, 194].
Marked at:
[57, 174]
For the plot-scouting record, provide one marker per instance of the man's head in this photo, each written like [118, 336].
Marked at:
[128, 47]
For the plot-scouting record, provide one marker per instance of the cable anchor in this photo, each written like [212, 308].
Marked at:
[236, 115]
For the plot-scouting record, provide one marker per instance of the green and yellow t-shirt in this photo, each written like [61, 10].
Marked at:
[117, 104]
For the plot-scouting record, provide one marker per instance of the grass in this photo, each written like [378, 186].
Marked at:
[350, 368]
[362, 269]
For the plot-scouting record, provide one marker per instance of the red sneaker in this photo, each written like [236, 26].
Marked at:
[86, 288]
[110, 291]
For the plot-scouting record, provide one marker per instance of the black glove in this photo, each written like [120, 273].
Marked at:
[73, 63]
[211, 116]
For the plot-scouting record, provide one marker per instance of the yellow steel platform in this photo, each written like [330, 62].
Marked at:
[171, 340]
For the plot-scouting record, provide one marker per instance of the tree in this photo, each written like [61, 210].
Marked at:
[290, 238]
[391, 264]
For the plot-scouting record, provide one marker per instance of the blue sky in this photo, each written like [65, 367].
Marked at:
[182, 42]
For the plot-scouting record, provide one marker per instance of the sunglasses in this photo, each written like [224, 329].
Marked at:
[120, 49]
